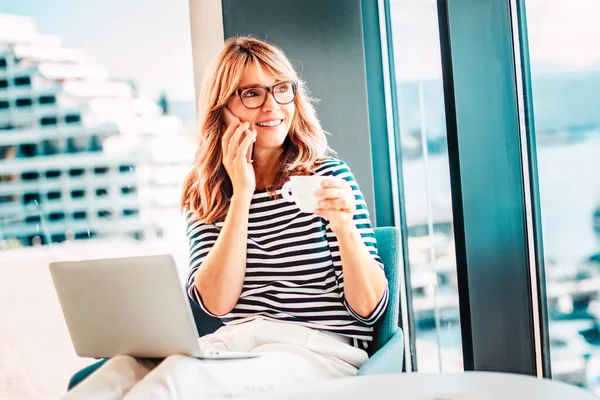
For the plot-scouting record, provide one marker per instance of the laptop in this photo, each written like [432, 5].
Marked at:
[133, 306]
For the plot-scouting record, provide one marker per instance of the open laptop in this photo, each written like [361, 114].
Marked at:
[134, 306]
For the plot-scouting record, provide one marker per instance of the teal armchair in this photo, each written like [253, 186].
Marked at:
[386, 352]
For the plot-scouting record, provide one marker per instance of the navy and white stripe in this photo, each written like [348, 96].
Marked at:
[293, 266]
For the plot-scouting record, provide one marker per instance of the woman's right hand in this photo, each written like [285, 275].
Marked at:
[235, 144]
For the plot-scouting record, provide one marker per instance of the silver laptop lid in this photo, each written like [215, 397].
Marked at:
[135, 306]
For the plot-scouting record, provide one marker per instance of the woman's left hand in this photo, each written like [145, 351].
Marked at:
[337, 204]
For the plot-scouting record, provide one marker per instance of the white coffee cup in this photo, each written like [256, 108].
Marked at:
[301, 190]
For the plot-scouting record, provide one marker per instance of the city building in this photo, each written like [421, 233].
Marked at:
[82, 155]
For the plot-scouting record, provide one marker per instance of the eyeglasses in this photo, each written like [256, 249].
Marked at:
[255, 97]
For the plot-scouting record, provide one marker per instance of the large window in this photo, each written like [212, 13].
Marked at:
[565, 69]
[97, 121]
[426, 188]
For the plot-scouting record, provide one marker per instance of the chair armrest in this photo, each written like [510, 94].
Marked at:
[84, 373]
[388, 360]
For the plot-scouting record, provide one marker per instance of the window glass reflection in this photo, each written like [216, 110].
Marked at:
[426, 184]
[565, 68]
[95, 102]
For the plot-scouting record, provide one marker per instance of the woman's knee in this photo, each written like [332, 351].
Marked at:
[123, 364]
[176, 375]
[123, 360]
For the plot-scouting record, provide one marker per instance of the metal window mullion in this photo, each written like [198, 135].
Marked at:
[385, 146]
[488, 186]
[537, 249]
[408, 320]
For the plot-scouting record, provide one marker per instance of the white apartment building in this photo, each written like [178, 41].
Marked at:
[81, 154]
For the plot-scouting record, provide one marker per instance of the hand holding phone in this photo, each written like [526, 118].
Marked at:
[236, 145]
[228, 118]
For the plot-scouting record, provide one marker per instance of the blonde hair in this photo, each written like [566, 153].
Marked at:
[207, 188]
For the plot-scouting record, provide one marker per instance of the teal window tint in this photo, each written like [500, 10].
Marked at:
[565, 85]
[419, 104]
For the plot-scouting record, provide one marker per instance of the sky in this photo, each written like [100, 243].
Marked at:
[149, 40]
[562, 34]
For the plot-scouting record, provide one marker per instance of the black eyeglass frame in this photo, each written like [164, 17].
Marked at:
[269, 89]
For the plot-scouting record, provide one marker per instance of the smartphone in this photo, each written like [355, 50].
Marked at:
[228, 118]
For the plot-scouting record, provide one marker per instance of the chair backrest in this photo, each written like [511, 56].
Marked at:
[387, 246]
[205, 323]
[388, 242]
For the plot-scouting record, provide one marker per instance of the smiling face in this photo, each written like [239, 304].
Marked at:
[272, 121]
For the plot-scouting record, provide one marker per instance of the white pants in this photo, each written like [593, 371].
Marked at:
[290, 355]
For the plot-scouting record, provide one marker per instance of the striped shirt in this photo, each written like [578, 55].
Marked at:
[293, 267]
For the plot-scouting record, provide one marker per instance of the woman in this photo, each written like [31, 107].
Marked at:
[301, 289]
